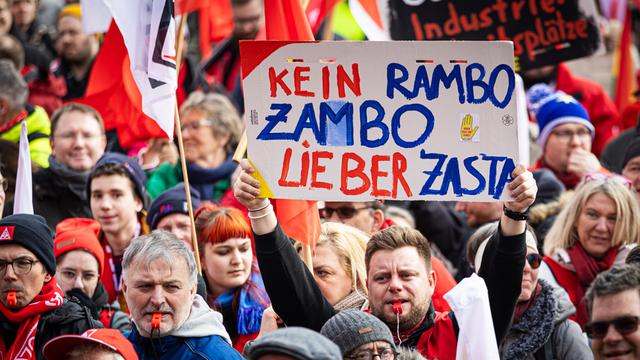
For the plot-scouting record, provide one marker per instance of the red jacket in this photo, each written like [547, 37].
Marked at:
[602, 112]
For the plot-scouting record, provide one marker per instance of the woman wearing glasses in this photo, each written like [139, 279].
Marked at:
[211, 129]
[541, 326]
[234, 283]
[590, 235]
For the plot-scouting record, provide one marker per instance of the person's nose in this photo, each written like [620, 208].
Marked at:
[77, 282]
[601, 224]
[612, 335]
[395, 284]
[236, 257]
[10, 274]
[157, 296]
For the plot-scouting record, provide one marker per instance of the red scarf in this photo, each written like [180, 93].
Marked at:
[109, 277]
[587, 268]
[523, 306]
[50, 298]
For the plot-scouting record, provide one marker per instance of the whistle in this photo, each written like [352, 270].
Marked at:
[11, 298]
[397, 307]
[156, 319]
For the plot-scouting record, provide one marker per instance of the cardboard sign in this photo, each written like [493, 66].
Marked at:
[354, 121]
[543, 32]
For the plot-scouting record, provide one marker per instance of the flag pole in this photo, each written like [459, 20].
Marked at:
[178, 131]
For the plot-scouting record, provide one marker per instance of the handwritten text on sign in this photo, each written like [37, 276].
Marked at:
[402, 120]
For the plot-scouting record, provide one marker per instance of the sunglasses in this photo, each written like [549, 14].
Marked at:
[597, 176]
[534, 260]
[625, 325]
[344, 212]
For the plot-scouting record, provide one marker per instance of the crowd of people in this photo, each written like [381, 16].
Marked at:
[108, 266]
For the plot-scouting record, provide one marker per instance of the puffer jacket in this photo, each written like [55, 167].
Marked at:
[545, 331]
[202, 336]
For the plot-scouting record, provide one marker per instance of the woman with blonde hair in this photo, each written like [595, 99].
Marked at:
[211, 129]
[338, 265]
[592, 233]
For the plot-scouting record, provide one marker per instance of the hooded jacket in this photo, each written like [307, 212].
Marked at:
[201, 336]
[545, 331]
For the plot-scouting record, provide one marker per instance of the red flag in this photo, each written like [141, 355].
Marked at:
[286, 20]
[317, 11]
[187, 6]
[111, 90]
[625, 78]
[215, 22]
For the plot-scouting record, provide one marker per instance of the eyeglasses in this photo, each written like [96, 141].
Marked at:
[21, 266]
[598, 176]
[383, 354]
[196, 125]
[534, 260]
[344, 212]
[567, 135]
[4, 183]
[625, 325]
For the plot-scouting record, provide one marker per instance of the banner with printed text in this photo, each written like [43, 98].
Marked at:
[354, 121]
[544, 32]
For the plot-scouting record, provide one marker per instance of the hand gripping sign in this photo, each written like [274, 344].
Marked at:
[354, 121]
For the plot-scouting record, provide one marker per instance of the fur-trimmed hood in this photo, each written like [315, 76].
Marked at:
[536, 325]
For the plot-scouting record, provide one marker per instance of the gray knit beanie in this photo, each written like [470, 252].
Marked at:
[350, 329]
[295, 342]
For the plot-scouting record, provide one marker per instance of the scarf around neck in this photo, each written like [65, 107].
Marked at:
[206, 180]
[248, 302]
[587, 268]
[50, 298]
[74, 180]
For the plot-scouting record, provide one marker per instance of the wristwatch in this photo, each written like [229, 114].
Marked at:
[517, 216]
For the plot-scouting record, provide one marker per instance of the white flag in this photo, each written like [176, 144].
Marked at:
[22, 202]
[149, 33]
[95, 16]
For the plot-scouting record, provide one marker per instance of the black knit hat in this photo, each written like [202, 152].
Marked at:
[32, 233]
[633, 150]
[133, 170]
[350, 329]
[172, 201]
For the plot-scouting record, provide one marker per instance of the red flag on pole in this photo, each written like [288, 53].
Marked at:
[286, 20]
[113, 93]
[625, 72]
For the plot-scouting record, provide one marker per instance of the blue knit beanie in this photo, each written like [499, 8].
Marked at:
[555, 108]
[172, 201]
[133, 170]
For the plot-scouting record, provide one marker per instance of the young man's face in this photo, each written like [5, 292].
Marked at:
[616, 344]
[114, 204]
[247, 20]
[400, 274]
[26, 276]
[72, 44]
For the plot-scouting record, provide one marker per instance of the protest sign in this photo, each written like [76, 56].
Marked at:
[353, 121]
[544, 32]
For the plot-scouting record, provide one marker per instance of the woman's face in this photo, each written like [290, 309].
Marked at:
[200, 141]
[333, 280]
[227, 264]
[78, 270]
[529, 279]
[595, 224]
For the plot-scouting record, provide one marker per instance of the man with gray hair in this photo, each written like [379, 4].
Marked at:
[614, 299]
[14, 110]
[170, 320]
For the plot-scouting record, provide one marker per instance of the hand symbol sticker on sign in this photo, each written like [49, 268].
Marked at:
[467, 130]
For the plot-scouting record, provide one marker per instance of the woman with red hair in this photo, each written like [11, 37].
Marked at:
[234, 283]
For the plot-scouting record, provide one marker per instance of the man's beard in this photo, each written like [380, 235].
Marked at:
[407, 321]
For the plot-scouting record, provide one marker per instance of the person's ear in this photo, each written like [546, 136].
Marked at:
[139, 205]
[432, 280]
[47, 277]
[378, 219]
